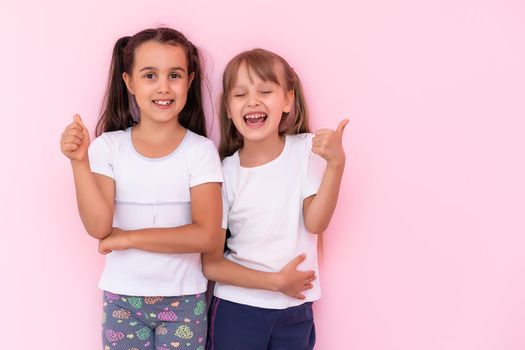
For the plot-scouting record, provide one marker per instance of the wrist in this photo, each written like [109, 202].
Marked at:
[129, 239]
[276, 281]
[80, 163]
[336, 164]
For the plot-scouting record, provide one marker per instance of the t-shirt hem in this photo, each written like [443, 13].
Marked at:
[264, 304]
[202, 180]
[150, 293]
[97, 170]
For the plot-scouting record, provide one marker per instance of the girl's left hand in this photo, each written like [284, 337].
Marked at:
[328, 144]
[117, 240]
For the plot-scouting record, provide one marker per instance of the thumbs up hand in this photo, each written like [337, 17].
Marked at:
[328, 144]
[74, 142]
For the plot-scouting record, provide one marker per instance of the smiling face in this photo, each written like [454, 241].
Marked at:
[159, 80]
[256, 106]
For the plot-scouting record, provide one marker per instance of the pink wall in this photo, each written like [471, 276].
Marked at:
[426, 249]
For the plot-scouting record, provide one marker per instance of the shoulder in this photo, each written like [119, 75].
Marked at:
[196, 139]
[110, 140]
[198, 143]
[301, 143]
[304, 139]
[230, 161]
[200, 152]
[231, 164]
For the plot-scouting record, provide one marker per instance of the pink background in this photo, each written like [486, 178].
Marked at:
[426, 248]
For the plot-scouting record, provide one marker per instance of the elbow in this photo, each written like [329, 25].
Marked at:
[208, 269]
[210, 240]
[99, 231]
[315, 227]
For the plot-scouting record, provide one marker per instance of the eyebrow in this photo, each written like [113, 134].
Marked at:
[155, 68]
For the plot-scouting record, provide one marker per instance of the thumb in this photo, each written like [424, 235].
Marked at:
[342, 125]
[298, 260]
[77, 119]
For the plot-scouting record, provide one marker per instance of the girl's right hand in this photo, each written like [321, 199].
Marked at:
[293, 282]
[74, 142]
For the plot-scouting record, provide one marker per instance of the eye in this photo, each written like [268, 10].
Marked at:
[149, 76]
[266, 92]
[175, 76]
[239, 94]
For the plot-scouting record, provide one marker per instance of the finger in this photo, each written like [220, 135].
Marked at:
[77, 119]
[73, 126]
[77, 131]
[69, 147]
[72, 132]
[299, 296]
[318, 150]
[318, 140]
[309, 276]
[311, 279]
[73, 139]
[298, 260]
[307, 286]
[323, 132]
[341, 126]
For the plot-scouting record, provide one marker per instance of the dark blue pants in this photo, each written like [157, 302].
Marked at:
[235, 326]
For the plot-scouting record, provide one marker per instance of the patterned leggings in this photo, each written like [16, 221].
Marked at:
[154, 323]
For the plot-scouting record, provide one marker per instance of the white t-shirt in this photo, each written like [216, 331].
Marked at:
[153, 192]
[263, 209]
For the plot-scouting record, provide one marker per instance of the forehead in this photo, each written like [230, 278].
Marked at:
[160, 55]
[258, 72]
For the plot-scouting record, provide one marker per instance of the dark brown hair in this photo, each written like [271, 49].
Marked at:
[263, 63]
[118, 103]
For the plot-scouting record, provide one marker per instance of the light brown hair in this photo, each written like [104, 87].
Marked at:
[263, 64]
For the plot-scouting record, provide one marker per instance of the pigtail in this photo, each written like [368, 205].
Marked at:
[297, 122]
[116, 113]
[192, 115]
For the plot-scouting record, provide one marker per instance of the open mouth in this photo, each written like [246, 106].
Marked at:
[255, 120]
[163, 103]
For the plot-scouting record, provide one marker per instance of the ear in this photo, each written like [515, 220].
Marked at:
[129, 84]
[290, 97]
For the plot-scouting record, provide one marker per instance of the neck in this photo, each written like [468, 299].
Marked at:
[255, 153]
[158, 131]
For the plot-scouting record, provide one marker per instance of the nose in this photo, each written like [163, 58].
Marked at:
[163, 85]
[253, 101]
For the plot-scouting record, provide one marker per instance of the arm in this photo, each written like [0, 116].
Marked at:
[95, 193]
[199, 236]
[318, 209]
[289, 280]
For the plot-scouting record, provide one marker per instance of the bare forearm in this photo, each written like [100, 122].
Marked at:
[95, 212]
[225, 271]
[191, 238]
[320, 210]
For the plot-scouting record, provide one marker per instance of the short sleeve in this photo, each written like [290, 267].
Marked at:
[225, 206]
[205, 165]
[100, 158]
[316, 166]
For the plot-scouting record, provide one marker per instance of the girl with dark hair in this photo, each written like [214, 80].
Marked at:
[148, 187]
[280, 190]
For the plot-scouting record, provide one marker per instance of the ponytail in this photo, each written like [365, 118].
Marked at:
[116, 114]
[192, 115]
